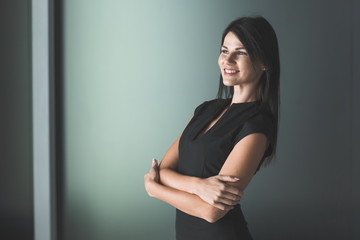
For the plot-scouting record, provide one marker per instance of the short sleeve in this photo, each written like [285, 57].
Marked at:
[257, 124]
[200, 108]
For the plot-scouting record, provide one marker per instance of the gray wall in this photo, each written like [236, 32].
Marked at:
[306, 194]
[16, 190]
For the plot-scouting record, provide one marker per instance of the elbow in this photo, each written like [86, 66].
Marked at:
[212, 219]
[213, 214]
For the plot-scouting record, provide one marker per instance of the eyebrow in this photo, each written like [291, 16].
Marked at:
[235, 48]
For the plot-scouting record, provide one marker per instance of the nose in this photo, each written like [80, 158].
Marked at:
[230, 58]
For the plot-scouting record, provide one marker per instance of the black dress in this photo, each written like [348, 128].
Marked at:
[203, 156]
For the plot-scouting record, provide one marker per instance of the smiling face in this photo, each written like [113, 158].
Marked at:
[235, 64]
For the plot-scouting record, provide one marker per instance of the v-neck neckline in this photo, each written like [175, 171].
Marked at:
[223, 110]
[225, 104]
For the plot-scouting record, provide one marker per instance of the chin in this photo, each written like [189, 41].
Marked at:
[228, 83]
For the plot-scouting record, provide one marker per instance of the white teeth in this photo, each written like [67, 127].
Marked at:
[230, 71]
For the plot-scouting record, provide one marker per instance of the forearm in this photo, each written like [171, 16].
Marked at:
[186, 202]
[173, 179]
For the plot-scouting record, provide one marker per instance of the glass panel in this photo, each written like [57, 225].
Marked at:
[133, 74]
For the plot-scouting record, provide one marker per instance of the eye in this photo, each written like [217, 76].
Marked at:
[241, 53]
[224, 51]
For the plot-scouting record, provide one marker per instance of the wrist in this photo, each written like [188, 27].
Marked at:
[195, 185]
[150, 186]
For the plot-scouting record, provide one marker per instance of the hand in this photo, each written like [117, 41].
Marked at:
[217, 192]
[152, 176]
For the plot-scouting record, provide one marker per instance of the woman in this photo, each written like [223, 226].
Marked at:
[205, 171]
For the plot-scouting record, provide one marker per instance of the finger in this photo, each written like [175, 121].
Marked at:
[226, 178]
[227, 201]
[154, 163]
[233, 190]
[222, 206]
[230, 196]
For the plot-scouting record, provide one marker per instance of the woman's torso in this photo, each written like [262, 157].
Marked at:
[203, 154]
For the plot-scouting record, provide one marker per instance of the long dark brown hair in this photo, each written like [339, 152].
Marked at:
[260, 41]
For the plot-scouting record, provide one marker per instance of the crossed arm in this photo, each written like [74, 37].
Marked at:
[210, 198]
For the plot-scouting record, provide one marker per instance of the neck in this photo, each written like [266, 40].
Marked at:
[244, 94]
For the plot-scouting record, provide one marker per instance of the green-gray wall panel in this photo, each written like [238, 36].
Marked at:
[135, 71]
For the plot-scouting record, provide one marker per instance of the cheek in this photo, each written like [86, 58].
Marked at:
[219, 61]
[245, 66]
[244, 63]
